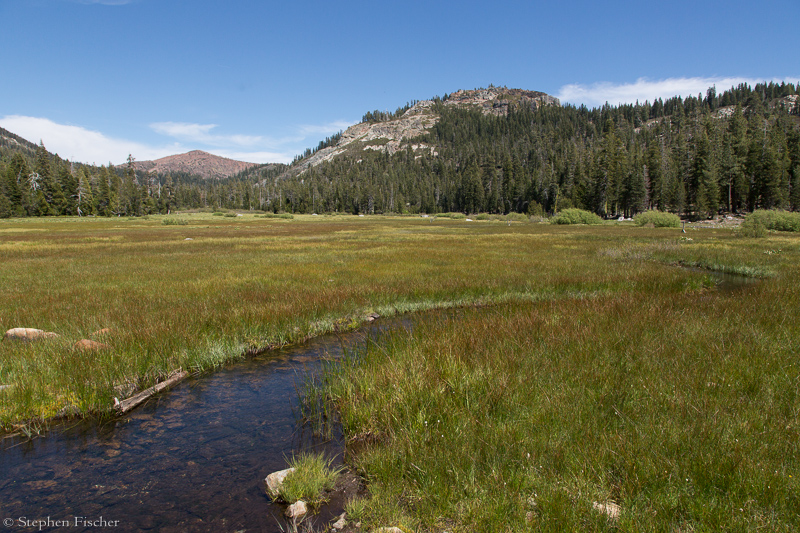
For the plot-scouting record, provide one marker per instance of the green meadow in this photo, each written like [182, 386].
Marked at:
[579, 366]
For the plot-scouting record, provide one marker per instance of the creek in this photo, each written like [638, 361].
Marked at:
[191, 459]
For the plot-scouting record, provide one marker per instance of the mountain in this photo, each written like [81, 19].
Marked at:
[388, 135]
[196, 162]
[15, 142]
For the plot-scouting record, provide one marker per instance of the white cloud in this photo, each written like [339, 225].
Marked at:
[597, 94]
[88, 146]
[201, 133]
[81, 144]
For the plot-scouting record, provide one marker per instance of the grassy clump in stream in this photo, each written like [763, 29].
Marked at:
[312, 478]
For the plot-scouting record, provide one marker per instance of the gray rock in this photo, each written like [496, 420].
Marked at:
[340, 523]
[275, 480]
[387, 530]
[28, 334]
[297, 510]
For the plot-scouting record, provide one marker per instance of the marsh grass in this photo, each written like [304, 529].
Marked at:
[199, 295]
[314, 476]
[682, 407]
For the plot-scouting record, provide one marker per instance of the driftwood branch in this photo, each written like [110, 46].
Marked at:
[129, 403]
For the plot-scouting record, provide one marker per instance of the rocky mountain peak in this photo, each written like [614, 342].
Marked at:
[389, 136]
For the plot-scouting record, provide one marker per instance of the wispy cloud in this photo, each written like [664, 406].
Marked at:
[81, 144]
[201, 133]
[88, 146]
[597, 94]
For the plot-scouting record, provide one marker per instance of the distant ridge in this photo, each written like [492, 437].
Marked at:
[196, 162]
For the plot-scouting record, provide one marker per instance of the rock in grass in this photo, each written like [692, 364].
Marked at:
[610, 509]
[275, 480]
[297, 510]
[387, 530]
[101, 332]
[28, 334]
[341, 522]
[85, 345]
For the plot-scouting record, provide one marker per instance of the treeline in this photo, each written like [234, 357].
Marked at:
[34, 182]
[384, 116]
[731, 152]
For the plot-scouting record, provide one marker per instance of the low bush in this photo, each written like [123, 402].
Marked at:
[174, 222]
[658, 219]
[576, 216]
[753, 227]
[774, 219]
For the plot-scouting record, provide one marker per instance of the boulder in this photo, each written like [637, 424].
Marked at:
[85, 345]
[29, 334]
[297, 510]
[275, 480]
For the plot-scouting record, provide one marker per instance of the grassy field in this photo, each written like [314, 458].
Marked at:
[601, 373]
[202, 291]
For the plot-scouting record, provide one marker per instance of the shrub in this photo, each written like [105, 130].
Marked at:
[515, 217]
[455, 216]
[774, 219]
[658, 219]
[279, 215]
[576, 216]
[174, 222]
[753, 227]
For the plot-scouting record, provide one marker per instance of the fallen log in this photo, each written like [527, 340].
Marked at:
[127, 404]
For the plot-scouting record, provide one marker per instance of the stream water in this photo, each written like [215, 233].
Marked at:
[192, 459]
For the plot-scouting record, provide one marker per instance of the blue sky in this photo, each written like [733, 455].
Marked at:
[260, 81]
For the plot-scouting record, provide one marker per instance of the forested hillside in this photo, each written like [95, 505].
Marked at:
[698, 156]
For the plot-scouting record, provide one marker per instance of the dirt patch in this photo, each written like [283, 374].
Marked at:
[348, 487]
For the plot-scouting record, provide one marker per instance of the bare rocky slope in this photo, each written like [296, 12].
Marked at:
[196, 162]
[390, 135]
